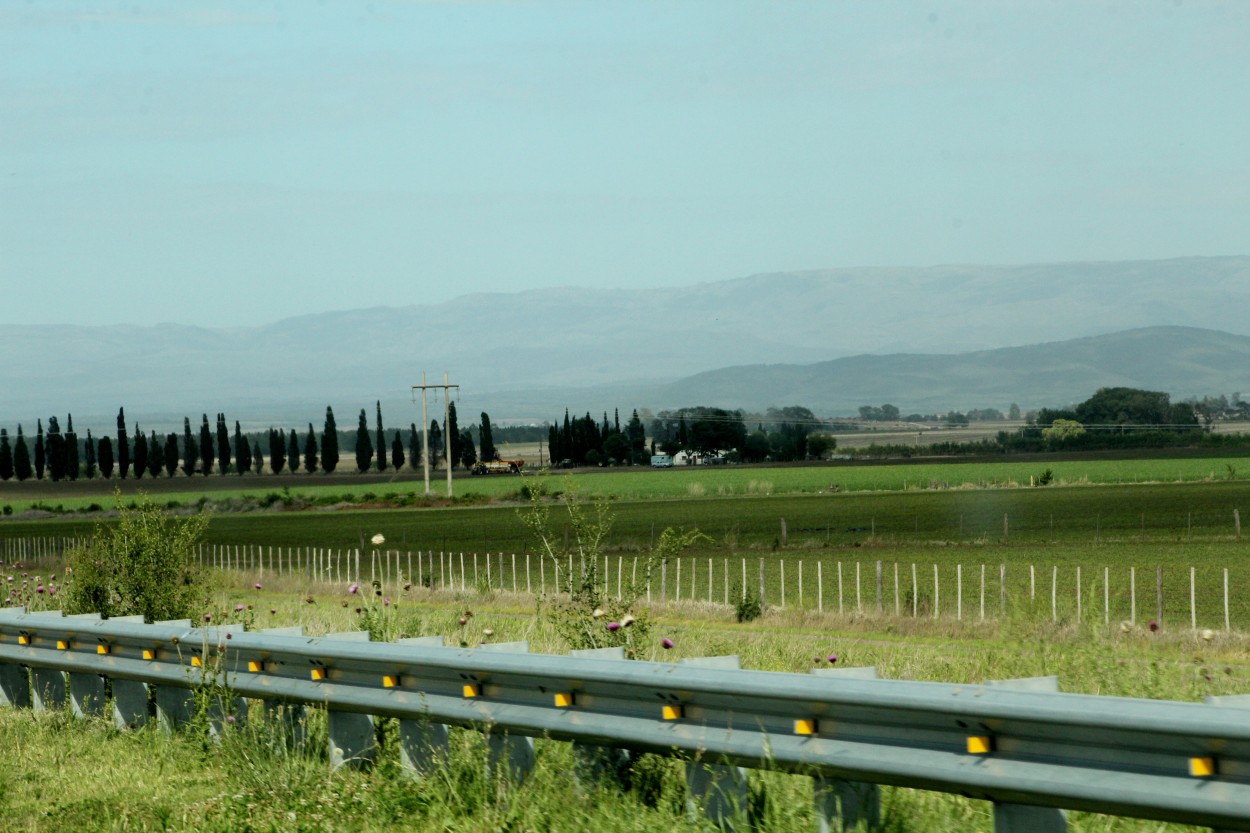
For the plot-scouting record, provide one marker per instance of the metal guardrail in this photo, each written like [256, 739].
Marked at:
[1024, 750]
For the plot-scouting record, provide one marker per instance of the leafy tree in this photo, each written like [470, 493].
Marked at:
[223, 445]
[1063, 429]
[1134, 408]
[72, 462]
[141, 453]
[106, 456]
[123, 445]
[329, 443]
[171, 454]
[190, 453]
[486, 439]
[818, 445]
[55, 451]
[41, 454]
[292, 451]
[381, 440]
[414, 447]
[206, 446]
[310, 451]
[453, 433]
[156, 456]
[89, 456]
[242, 451]
[144, 564]
[1013, 412]
[6, 456]
[364, 446]
[21, 457]
[397, 452]
[468, 454]
[277, 450]
[616, 446]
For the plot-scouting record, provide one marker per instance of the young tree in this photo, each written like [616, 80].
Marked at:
[310, 451]
[242, 451]
[329, 443]
[277, 450]
[41, 453]
[486, 439]
[190, 453]
[105, 455]
[55, 451]
[141, 453]
[21, 457]
[381, 445]
[223, 445]
[292, 451]
[156, 456]
[89, 456]
[171, 454]
[123, 445]
[72, 463]
[364, 446]
[206, 446]
[6, 456]
[397, 452]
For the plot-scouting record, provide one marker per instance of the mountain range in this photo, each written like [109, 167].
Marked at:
[922, 338]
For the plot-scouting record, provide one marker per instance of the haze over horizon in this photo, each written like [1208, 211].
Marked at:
[232, 165]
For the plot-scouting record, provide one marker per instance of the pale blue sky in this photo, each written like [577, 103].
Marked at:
[223, 163]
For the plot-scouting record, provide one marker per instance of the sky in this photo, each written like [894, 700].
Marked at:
[238, 163]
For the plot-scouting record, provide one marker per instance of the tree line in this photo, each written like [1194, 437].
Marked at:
[216, 448]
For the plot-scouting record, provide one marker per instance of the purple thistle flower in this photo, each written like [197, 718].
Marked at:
[229, 718]
[353, 588]
[386, 601]
[614, 626]
[1154, 626]
[239, 608]
[257, 585]
[833, 658]
[666, 643]
[208, 617]
[39, 589]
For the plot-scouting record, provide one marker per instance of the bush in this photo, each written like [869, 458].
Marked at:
[144, 564]
[748, 606]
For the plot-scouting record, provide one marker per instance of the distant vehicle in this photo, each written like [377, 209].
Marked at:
[564, 464]
[497, 467]
[661, 461]
[715, 461]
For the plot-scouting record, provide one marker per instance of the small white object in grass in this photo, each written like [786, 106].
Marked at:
[378, 540]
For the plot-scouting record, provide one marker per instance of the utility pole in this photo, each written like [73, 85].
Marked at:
[425, 427]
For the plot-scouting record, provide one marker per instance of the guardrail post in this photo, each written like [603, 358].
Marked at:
[597, 763]
[510, 755]
[14, 678]
[174, 706]
[841, 803]
[291, 719]
[1025, 818]
[422, 744]
[129, 698]
[720, 789]
[47, 687]
[352, 738]
[86, 691]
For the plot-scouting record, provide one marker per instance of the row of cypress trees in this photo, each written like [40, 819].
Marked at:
[64, 456]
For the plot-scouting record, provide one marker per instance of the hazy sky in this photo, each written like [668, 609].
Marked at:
[223, 163]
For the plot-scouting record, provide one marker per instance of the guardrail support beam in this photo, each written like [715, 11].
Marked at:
[511, 756]
[14, 686]
[601, 763]
[422, 744]
[720, 789]
[844, 804]
[1021, 818]
[352, 736]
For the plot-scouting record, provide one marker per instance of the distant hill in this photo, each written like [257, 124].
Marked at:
[831, 339]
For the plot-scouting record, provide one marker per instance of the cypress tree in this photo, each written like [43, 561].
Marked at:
[223, 445]
[190, 453]
[156, 456]
[242, 451]
[364, 446]
[123, 445]
[21, 457]
[55, 450]
[72, 463]
[414, 446]
[292, 451]
[277, 450]
[171, 454]
[89, 456]
[468, 454]
[453, 434]
[329, 443]
[105, 455]
[141, 453]
[206, 446]
[41, 454]
[6, 456]
[256, 456]
[486, 439]
[397, 452]
[436, 443]
[310, 451]
[381, 440]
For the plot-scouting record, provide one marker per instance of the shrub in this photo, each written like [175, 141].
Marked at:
[143, 564]
[748, 606]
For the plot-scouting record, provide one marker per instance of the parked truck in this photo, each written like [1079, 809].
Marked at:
[497, 467]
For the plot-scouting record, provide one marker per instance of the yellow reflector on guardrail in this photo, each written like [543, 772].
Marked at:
[980, 745]
[672, 712]
[472, 690]
[805, 727]
[564, 699]
[1202, 767]
[390, 681]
